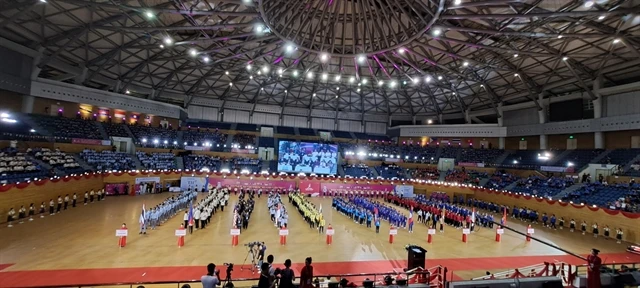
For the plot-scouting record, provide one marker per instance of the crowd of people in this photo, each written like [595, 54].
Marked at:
[277, 211]
[362, 210]
[312, 215]
[243, 209]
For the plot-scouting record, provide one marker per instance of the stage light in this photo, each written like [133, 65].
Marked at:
[168, 40]
[280, 71]
[616, 41]
[250, 76]
[415, 80]
[601, 17]
[149, 14]
[588, 4]
[427, 79]
[226, 72]
[559, 36]
[352, 79]
[127, 92]
[393, 84]
[161, 46]
[361, 59]
[265, 69]
[516, 75]
[364, 81]
[309, 74]
[295, 73]
[465, 64]
[249, 67]
[515, 55]
[439, 77]
[325, 76]
[380, 83]
[337, 78]
[437, 32]
[565, 58]
[457, 2]
[206, 59]
[324, 57]
[290, 48]
[401, 50]
[230, 83]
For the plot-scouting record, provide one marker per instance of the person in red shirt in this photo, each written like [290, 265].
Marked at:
[593, 269]
[306, 274]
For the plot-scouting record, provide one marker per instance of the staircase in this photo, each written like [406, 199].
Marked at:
[510, 186]
[374, 172]
[129, 133]
[502, 157]
[100, 128]
[567, 191]
[627, 166]
[483, 182]
[179, 163]
[437, 157]
[41, 163]
[597, 158]
[229, 140]
[443, 176]
[136, 161]
[265, 166]
[458, 155]
[340, 170]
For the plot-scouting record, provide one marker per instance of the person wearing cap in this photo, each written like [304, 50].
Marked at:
[593, 265]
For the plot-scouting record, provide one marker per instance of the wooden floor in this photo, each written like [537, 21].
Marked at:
[84, 237]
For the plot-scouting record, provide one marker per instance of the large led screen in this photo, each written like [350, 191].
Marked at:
[307, 157]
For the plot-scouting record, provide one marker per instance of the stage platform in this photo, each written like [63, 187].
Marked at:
[79, 246]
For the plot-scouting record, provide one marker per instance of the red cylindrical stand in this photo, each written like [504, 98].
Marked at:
[464, 238]
[234, 238]
[498, 236]
[180, 240]
[528, 234]
[283, 238]
[391, 235]
[429, 238]
[329, 237]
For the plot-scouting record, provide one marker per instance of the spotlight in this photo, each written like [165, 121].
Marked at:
[393, 84]
[226, 72]
[515, 55]
[601, 17]
[415, 80]
[259, 28]
[559, 36]
[588, 4]
[616, 41]
[565, 58]
[295, 73]
[193, 52]
[516, 75]
[206, 59]
[361, 59]
[168, 40]
[437, 32]
[428, 79]
[401, 50]
[380, 83]
[325, 76]
[324, 57]
[457, 2]
[337, 78]
[465, 64]
[352, 79]
[249, 67]
[265, 69]
[161, 46]
[290, 48]
[230, 83]
[364, 81]
[280, 71]
[149, 14]
[439, 77]
[309, 74]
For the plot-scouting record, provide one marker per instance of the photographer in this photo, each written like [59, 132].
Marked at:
[261, 249]
[212, 279]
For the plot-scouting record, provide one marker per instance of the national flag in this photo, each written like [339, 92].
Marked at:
[142, 220]
[504, 217]
[191, 220]
[320, 209]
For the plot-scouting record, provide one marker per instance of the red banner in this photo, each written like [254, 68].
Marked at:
[90, 141]
[467, 164]
[253, 184]
[310, 187]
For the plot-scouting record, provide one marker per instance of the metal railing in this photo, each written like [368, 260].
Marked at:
[434, 277]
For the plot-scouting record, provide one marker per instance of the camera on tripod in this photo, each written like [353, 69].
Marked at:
[229, 267]
[254, 243]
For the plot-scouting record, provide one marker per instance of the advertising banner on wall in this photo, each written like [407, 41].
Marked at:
[557, 169]
[243, 151]
[467, 164]
[199, 182]
[90, 141]
[310, 187]
[405, 191]
[195, 148]
[116, 189]
[147, 179]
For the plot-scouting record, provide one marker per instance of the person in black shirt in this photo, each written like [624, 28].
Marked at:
[287, 275]
[266, 280]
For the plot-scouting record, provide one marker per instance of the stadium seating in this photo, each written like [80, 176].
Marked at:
[500, 179]
[620, 156]
[246, 127]
[479, 155]
[526, 159]
[202, 136]
[199, 162]
[450, 151]
[578, 158]
[157, 160]
[306, 132]
[154, 136]
[245, 164]
[266, 142]
[357, 171]
[342, 134]
[244, 140]
[618, 196]
[391, 171]
[67, 127]
[56, 159]
[207, 124]
[543, 187]
[113, 129]
[108, 160]
[16, 167]
[429, 173]
[285, 130]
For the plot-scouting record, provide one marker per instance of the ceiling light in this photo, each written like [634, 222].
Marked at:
[259, 28]
[465, 64]
[251, 77]
[149, 14]
[457, 2]
[168, 40]
[588, 3]
[415, 80]
[206, 59]
[352, 79]
[437, 32]
[290, 48]
[364, 81]
[309, 74]
[161, 46]
[516, 75]
[439, 77]
[380, 83]
[337, 88]
[193, 52]
[453, 93]
[324, 57]
[285, 91]
[361, 59]
[616, 41]
[127, 92]
[248, 66]
[337, 77]
[280, 71]
[601, 17]
[262, 88]
[325, 76]
[559, 36]
[295, 73]
[226, 72]
[393, 84]
[358, 90]
[515, 55]
[481, 85]
[259, 73]
[565, 58]
[230, 83]
[314, 94]
[265, 69]
[401, 50]
[428, 79]
[43, 1]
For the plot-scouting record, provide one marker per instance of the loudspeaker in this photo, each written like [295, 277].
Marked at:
[417, 257]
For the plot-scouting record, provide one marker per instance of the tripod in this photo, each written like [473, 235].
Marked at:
[253, 261]
[227, 280]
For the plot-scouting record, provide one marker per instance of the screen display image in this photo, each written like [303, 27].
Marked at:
[307, 157]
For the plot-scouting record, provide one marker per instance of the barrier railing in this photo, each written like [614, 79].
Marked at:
[571, 272]
[434, 277]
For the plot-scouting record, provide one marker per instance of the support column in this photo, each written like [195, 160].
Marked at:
[501, 124]
[79, 80]
[542, 113]
[27, 103]
[467, 116]
[35, 70]
[413, 118]
[440, 119]
[598, 137]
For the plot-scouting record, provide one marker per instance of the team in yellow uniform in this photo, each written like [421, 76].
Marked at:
[307, 209]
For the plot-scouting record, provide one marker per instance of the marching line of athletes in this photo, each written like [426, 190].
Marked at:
[277, 211]
[361, 209]
[308, 210]
[243, 209]
[62, 204]
[205, 208]
[166, 210]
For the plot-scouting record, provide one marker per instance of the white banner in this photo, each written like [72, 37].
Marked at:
[235, 232]
[148, 179]
[393, 231]
[405, 190]
[530, 231]
[192, 182]
[181, 232]
[500, 231]
[122, 232]
[553, 168]
[466, 231]
[284, 232]
[330, 232]
[195, 148]
[431, 231]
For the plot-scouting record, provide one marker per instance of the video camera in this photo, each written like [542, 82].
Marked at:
[229, 267]
[254, 243]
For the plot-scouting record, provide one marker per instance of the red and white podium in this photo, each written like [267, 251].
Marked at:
[392, 233]
[430, 234]
[465, 232]
[499, 233]
[180, 233]
[235, 234]
[122, 237]
[283, 235]
[330, 233]
[530, 232]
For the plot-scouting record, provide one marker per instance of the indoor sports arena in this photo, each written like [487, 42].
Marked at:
[320, 143]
